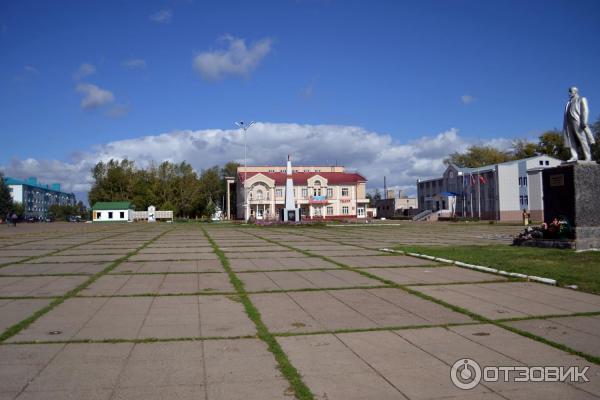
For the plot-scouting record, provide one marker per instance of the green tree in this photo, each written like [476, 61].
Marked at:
[6, 203]
[523, 148]
[552, 144]
[478, 156]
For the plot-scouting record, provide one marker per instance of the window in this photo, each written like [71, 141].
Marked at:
[278, 192]
[525, 181]
[541, 162]
[345, 210]
[526, 199]
[345, 192]
[110, 215]
[304, 192]
[122, 215]
[329, 210]
[520, 181]
[259, 194]
[547, 162]
[98, 214]
[329, 192]
[318, 211]
[521, 200]
[360, 211]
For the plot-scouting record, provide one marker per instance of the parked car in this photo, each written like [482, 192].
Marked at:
[74, 218]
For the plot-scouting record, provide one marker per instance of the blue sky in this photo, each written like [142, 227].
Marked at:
[400, 70]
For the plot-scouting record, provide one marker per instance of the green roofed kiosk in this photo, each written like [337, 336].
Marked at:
[112, 211]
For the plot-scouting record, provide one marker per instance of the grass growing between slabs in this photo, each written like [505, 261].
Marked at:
[299, 388]
[567, 267]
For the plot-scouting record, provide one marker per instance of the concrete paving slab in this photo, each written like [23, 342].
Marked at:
[76, 259]
[381, 261]
[14, 311]
[176, 250]
[41, 269]
[20, 364]
[124, 285]
[514, 299]
[264, 254]
[579, 333]
[266, 264]
[347, 253]
[141, 318]
[349, 309]
[39, 286]
[144, 267]
[294, 280]
[435, 275]
[174, 257]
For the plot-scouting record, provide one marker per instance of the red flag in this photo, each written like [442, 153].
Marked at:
[481, 179]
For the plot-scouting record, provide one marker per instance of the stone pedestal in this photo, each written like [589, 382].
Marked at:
[573, 191]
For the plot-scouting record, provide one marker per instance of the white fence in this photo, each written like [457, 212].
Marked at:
[137, 215]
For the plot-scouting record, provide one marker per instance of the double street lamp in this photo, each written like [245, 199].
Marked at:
[245, 126]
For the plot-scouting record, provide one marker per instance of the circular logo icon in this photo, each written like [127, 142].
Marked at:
[465, 374]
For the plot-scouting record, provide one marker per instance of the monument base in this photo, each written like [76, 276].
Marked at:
[290, 215]
[572, 191]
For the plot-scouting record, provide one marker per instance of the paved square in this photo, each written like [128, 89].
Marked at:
[148, 311]
[349, 309]
[514, 299]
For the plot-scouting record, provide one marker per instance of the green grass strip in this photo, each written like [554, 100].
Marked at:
[15, 329]
[301, 391]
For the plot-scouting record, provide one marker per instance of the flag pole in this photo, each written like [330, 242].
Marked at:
[479, 195]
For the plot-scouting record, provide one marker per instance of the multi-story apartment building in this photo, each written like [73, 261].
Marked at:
[492, 192]
[36, 197]
[320, 192]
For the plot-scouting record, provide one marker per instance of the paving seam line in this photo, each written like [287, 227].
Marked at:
[285, 366]
[481, 268]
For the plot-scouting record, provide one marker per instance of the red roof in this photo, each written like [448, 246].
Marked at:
[301, 178]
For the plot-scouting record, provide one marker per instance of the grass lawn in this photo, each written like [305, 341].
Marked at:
[566, 266]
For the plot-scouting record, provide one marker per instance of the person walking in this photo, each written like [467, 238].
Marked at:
[14, 219]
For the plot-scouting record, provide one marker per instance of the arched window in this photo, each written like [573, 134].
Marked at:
[317, 188]
[259, 194]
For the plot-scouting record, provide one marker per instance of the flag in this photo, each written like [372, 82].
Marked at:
[472, 180]
[481, 179]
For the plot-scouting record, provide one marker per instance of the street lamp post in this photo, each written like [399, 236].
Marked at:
[245, 126]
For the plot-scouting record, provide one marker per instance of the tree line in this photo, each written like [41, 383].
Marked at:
[168, 186]
[549, 143]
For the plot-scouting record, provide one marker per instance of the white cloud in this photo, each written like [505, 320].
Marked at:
[237, 59]
[32, 70]
[134, 63]
[84, 70]
[93, 96]
[118, 111]
[162, 16]
[467, 99]
[370, 153]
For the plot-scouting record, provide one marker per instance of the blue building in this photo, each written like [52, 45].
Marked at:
[37, 197]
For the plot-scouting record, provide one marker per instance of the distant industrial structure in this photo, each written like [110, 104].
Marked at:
[320, 192]
[395, 205]
[492, 192]
[37, 197]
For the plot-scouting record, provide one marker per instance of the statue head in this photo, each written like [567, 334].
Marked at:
[573, 91]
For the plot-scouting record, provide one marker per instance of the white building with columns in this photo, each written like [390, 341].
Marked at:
[321, 192]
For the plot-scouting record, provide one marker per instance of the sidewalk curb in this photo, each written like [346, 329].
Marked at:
[534, 278]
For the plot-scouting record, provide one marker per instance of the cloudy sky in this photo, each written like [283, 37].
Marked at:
[383, 87]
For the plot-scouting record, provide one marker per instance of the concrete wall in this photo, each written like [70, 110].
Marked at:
[16, 193]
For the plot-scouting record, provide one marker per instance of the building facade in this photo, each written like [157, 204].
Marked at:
[37, 197]
[320, 192]
[492, 192]
[393, 206]
[112, 211]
